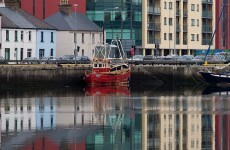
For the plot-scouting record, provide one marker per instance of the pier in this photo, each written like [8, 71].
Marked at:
[142, 75]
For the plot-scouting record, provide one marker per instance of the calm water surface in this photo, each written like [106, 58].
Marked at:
[115, 118]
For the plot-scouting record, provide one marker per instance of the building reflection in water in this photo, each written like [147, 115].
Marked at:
[110, 118]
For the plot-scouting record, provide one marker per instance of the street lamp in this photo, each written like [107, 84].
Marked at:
[106, 9]
[75, 35]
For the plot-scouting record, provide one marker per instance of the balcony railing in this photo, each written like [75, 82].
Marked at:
[185, 28]
[177, 41]
[206, 42]
[154, 10]
[207, 1]
[207, 28]
[177, 28]
[185, 13]
[153, 41]
[154, 26]
[185, 41]
[207, 14]
[178, 13]
[157, 11]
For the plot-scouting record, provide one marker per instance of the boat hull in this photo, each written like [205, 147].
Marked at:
[207, 76]
[108, 78]
[213, 78]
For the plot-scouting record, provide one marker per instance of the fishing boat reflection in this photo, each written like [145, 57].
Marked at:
[107, 90]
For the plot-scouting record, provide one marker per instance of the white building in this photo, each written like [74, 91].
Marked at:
[21, 35]
[18, 114]
[75, 30]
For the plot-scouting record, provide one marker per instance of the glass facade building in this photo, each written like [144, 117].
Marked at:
[120, 18]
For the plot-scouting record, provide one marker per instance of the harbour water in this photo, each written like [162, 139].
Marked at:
[115, 118]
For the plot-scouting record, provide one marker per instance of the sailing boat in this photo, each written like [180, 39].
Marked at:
[221, 75]
[109, 67]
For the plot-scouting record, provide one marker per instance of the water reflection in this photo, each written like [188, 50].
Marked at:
[114, 118]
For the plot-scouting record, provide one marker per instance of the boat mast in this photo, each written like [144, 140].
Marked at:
[211, 40]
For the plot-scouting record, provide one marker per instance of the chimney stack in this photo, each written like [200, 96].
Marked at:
[65, 7]
[15, 4]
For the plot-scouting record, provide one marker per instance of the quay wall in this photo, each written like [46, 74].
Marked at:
[70, 74]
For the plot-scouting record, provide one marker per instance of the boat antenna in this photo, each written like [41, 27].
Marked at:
[211, 40]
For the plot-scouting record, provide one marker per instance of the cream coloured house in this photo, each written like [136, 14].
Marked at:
[178, 26]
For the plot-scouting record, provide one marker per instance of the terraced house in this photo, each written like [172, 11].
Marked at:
[23, 35]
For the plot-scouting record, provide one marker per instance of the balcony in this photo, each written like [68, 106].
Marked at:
[185, 41]
[207, 14]
[177, 41]
[154, 26]
[177, 28]
[154, 10]
[153, 41]
[206, 41]
[207, 1]
[207, 29]
[185, 13]
[178, 13]
[157, 11]
[185, 28]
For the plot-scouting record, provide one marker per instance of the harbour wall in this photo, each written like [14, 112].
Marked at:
[73, 75]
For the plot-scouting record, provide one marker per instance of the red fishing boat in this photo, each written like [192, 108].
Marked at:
[105, 72]
[108, 66]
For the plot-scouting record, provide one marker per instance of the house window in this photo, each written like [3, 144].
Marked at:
[15, 36]
[41, 53]
[29, 124]
[7, 35]
[51, 52]
[170, 36]
[52, 37]
[197, 9]
[29, 51]
[165, 36]
[41, 122]
[165, 21]
[75, 38]
[7, 125]
[197, 21]
[170, 5]
[93, 38]
[170, 21]
[197, 37]
[15, 124]
[192, 37]
[101, 38]
[21, 124]
[21, 54]
[22, 38]
[42, 37]
[7, 53]
[29, 35]
[83, 52]
[192, 22]
[192, 7]
[83, 38]
[165, 5]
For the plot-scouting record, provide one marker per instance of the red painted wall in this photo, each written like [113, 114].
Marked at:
[227, 25]
[51, 7]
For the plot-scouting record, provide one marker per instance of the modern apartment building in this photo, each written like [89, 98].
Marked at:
[223, 30]
[120, 19]
[177, 26]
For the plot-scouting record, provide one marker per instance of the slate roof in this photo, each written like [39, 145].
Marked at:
[73, 22]
[20, 19]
